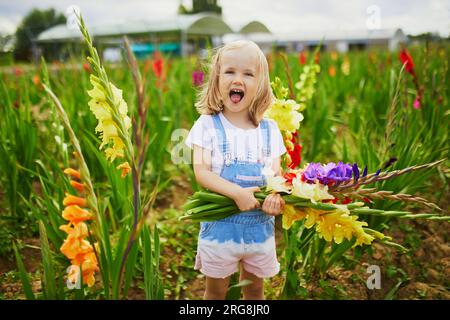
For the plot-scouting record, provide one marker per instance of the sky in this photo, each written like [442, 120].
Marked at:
[280, 16]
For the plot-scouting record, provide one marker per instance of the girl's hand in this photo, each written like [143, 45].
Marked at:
[245, 200]
[273, 204]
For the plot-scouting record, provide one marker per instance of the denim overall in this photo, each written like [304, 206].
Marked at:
[248, 227]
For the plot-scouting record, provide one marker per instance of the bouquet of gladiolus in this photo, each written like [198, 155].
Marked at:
[330, 197]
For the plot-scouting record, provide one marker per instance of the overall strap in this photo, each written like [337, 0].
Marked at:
[221, 135]
[265, 127]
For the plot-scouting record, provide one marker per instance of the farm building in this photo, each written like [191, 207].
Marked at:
[333, 40]
[180, 35]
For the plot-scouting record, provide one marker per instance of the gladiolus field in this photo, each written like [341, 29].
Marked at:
[98, 199]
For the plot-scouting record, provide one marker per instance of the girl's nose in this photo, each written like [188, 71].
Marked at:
[237, 80]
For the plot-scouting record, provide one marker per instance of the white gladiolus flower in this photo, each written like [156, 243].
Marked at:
[274, 183]
[314, 192]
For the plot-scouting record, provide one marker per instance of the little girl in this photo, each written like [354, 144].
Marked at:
[232, 145]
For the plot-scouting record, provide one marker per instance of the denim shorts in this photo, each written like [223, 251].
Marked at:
[246, 238]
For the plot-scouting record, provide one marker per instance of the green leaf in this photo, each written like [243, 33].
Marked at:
[47, 261]
[23, 275]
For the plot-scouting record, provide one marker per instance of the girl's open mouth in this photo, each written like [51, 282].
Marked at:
[236, 95]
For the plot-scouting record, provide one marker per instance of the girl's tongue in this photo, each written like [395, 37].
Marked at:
[235, 97]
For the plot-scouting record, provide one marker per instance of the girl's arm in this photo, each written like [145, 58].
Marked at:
[273, 204]
[243, 197]
[276, 166]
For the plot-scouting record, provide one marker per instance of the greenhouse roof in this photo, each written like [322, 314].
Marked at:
[201, 24]
[254, 27]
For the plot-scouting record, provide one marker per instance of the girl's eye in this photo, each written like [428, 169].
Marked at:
[249, 74]
[229, 72]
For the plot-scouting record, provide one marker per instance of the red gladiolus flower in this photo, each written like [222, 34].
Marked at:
[346, 200]
[302, 58]
[157, 65]
[87, 67]
[18, 71]
[317, 58]
[366, 200]
[302, 178]
[296, 156]
[407, 61]
[289, 177]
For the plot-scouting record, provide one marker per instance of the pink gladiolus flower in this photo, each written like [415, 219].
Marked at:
[416, 103]
[197, 78]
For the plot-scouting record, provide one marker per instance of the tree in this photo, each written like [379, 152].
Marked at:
[31, 26]
[201, 6]
[5, 42]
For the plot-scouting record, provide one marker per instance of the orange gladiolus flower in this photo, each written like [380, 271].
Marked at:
[73, 173]
[125, 169]
[88, 264]
[78, 230]
[75, 214]
[36, 80]
[332, 71]
[78, 186]
[75, 247]
[87, 67]
[72, 247]
[70, 200]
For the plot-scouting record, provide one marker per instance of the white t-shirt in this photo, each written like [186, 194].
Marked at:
[245, 144]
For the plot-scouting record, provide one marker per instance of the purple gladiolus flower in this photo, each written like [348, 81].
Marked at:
[342, 172]
[364, 172]
[197, 78]
[328, 174]
[389, 162]
[313, 172]
[355, 171]
[326, 179]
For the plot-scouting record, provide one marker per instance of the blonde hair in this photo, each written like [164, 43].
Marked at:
[209, 100]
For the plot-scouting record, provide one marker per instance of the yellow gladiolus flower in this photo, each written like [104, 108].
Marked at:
[363, 238]
[285, 114]
[116, 151]
[107, 127]
[312, 217]
[336, 226]
[290, 215]
[345, 67]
